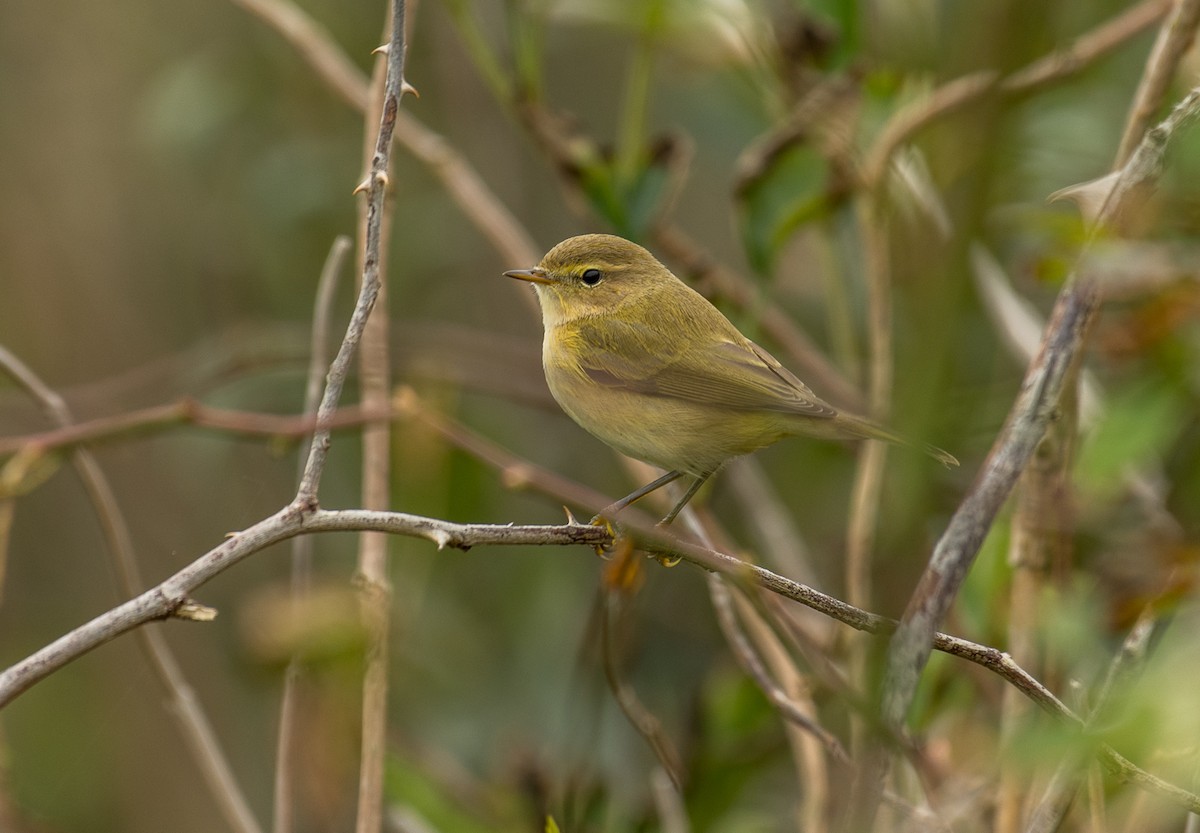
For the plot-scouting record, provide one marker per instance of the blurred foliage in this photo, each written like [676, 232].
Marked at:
[172, 177]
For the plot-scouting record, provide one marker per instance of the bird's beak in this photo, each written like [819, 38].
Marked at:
[534, 275]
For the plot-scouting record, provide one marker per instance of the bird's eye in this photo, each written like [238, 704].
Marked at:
[591, 276]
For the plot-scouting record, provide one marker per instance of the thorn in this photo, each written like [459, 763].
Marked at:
[382, 50]
[571, 519]
[231, 535]
[408, 89]
[365, 186]
[1089, 197]
[195, 612]
[441, 537]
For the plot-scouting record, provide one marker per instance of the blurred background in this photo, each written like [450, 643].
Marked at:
[171, 179]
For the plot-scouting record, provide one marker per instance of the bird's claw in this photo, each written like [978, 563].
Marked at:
[602, 550]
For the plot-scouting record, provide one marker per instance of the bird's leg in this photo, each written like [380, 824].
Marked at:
[688, 495]
[638, 494]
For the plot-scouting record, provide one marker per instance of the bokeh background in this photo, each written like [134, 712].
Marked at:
[172, 176]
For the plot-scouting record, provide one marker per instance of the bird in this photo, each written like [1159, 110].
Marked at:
[649, 366]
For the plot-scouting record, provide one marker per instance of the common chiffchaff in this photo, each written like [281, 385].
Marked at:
[646, 364]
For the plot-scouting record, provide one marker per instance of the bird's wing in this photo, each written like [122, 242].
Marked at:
[733, 373]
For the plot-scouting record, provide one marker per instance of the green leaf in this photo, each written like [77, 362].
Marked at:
[629, 208]
[794, 192]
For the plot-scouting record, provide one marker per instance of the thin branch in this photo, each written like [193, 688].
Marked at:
[806, 120]
[1174, 39]
[286, 757]
[185, 707]
[750, 662]
[1065, 782]
[172, 596]
[1030, 414]
[1086, 49]
[375, 188]
[374, 587]
[956, 94]
[655, 540]
[994, 660]
[644, 722]
[462, 182]
[186, 411]
[872, 456]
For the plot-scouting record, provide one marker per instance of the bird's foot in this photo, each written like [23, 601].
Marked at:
[606, 551]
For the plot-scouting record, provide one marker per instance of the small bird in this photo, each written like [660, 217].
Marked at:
[645, 363]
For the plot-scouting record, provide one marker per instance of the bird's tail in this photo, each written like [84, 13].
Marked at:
[856, 426]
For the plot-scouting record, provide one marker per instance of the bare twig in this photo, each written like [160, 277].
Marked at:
[186, 709]
[1086, 49]
[462, 182]
[184, 412]
[165, 599]
[375, 187]
[669, 803]
[1065, 782]
[641, 718]
[371, 575]
[375, 592]
[655, 540]
[750, 662]
[286, 746]
[1030, 414]
[872, 456]
[954, 95]
[1039, 536]
[1174, 38]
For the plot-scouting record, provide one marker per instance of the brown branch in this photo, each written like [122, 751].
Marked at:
[644, 722]
[956, 94]
[1064, 784]
[654, 539]
[185, 708]
[462, 182]
[170, 596]
[1174, 39]
[287, 744]
[750, 662]
[185, 412]
[1086, 49]
[375, 592]
[1031, 413]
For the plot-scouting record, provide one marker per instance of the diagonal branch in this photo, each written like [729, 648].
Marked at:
[1031, 413]
[172, 596]
[185, 708]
